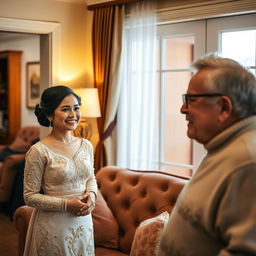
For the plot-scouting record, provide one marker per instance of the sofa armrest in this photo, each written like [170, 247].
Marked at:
[8, 172]
[21, 221]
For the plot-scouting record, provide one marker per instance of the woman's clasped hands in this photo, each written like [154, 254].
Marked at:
[81, 205]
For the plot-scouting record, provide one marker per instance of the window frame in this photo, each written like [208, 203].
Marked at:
[207, 39]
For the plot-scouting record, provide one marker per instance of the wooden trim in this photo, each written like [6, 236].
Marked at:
[110, 3]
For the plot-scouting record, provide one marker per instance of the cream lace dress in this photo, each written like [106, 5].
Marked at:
[52, 230]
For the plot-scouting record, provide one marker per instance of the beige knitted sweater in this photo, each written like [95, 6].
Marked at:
[216, 211]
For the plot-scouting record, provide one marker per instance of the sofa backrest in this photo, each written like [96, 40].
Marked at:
[24, 138]
[134, 196]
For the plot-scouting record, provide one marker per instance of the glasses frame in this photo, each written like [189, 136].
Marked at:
[186, 96]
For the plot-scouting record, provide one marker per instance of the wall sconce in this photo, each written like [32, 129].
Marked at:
[90, 108]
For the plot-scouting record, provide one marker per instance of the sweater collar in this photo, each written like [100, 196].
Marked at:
[228, 133]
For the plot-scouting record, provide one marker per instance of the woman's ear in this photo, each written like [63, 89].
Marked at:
[226, 108]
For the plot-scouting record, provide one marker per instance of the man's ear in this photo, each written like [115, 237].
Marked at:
[226, 108]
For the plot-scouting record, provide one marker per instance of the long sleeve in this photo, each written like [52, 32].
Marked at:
[237, 213]
[91, 185]
[33, 176]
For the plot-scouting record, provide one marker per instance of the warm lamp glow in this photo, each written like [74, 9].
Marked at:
[90, 108]
[90, 102]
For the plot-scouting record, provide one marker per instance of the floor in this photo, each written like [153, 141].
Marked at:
[8, 237]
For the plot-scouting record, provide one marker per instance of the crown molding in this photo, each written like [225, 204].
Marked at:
[27, 26]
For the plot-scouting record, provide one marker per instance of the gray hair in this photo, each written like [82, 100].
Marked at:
[233, 80]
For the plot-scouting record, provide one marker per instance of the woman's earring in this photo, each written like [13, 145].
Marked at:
[50, 121]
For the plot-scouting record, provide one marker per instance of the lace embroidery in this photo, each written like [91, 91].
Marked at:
[90, 244]
[54, 232]
[73, 239]
[47, 242]
[75, 248]
[56, 173]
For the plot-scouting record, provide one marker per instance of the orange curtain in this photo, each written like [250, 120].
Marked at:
[105, 24]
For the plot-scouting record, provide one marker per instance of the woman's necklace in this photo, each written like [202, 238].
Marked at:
[63, 142]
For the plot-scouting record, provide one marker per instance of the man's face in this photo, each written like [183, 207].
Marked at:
[202, 113]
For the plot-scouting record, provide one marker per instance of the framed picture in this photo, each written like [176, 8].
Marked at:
[33, 83]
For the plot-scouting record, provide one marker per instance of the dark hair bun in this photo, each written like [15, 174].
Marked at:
[42, 119]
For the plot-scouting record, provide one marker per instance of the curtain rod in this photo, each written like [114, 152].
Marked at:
[110, 3]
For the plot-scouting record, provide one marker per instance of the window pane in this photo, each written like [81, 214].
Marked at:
[176, 144]
[177, 52]
[240, 46]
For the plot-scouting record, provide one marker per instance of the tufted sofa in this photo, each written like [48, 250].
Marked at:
[15, 154]
[132, 197]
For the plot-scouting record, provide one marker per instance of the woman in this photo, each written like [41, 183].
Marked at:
[62, 166]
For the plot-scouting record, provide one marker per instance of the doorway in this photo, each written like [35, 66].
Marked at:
[49, 33]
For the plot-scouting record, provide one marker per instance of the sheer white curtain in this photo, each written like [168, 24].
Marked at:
[138, 111]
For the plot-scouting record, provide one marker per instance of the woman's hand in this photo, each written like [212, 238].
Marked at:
[76, 203]
[89, 200]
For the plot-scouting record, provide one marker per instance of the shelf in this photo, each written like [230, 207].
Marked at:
[10, 99]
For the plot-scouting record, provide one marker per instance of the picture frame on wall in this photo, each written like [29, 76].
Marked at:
[33, 84]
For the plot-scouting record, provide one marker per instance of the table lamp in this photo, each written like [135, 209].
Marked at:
[90, 108]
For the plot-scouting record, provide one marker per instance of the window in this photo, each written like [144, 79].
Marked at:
[179, 45]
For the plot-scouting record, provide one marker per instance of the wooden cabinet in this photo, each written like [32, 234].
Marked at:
[10, 91]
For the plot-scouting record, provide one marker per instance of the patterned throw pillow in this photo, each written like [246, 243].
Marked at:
[147, 236]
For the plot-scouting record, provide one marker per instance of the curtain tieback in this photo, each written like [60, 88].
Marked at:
[109, 130]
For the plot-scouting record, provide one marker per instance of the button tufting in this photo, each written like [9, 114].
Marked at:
[136, 223]
[172, 201]
[152, 209]
[143, 193]
[121, 232]
[134, 181]
[118, 189]
[126, 204]
[165, 187]
[112, 176]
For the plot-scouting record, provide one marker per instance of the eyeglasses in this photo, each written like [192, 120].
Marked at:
[186, 97]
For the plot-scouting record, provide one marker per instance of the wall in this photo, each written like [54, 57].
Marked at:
[75, 63]
[29, 46]
[76, 68]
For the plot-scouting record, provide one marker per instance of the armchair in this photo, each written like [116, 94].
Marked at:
[14, 154]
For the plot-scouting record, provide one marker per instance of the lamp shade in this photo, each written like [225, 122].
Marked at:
[90, 102]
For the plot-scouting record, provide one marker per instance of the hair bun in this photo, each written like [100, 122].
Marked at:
[38, 110]
[42, 119]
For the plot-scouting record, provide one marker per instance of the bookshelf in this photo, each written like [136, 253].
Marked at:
[10, 90]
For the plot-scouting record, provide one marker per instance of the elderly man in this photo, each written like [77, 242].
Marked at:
[216, 211]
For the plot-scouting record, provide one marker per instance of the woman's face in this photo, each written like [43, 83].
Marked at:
[67, 115]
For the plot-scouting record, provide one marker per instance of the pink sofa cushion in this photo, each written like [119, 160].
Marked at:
[147, 236]
[105, 225]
